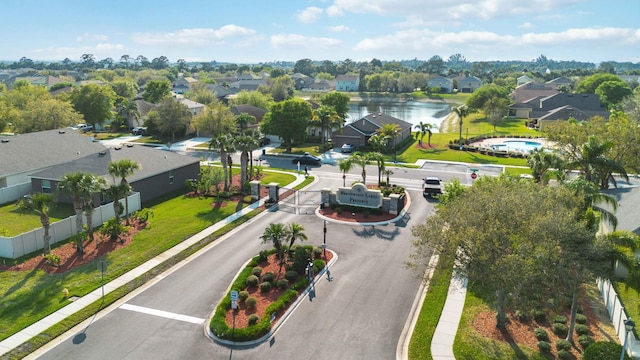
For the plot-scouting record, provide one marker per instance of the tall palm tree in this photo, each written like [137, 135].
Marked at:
[275, 234]
[425, 128]
[345, 165]
[295, 231]
[592, 159]
[594, 200]
[224, 144]
[40, 203]
[379, 159]
[123, 169]
[90, 185]
[544, 164]
[246, 144]
[327, 117]
[115, 192]
[461, 111]
[244, 120]
[391, 132]
[70, 184]
[362, 159]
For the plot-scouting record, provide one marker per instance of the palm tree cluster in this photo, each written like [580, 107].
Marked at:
[283, 237]
[362, 159]
[226, 144]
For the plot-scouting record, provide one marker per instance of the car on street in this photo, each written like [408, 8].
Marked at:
[347, 148]
[139, 131]
[307, 159]
[431, 186]
[265, 141]
[84, 127]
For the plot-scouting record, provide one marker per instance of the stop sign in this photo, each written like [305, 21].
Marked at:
[474, 175]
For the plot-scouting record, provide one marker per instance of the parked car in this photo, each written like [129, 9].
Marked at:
[265, 141]
[431, 186]
[139, 130]
[84, 127]
[347, 148]
[307, 159]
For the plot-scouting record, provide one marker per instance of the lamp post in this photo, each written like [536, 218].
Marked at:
[629, 325]
[324, 240]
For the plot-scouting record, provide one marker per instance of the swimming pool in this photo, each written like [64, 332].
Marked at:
[517, 145]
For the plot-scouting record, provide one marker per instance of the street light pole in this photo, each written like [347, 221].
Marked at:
[324, 240]
[628, 327]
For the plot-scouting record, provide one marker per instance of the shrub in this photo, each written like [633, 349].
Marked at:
[538, 315]
[52, 259]
[265, 287]
[252, 281]
[559, 319]
[585, 341]
[541, 334]
[251, 302]
[562, 344]
[560, 329]
[243, 295]
[291, 275]
[582, 329]
[317, 253]
[522, 316]
[564, 355]
[282, 284]
[263, 255]
[544, 347]
[603, 350]
[256, 271]
[253, 319]
[268, 277]
[581, 319]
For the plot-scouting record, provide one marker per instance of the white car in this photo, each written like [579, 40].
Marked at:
[347, 148]
[431, 186]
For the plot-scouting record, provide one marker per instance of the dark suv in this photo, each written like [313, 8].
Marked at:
[139, 131]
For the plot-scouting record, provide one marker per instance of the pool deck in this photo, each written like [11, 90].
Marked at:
[487, 143]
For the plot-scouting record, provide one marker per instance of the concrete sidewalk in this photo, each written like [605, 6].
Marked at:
[40, 326]
[445, 333]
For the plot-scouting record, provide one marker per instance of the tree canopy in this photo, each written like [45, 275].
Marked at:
[484, 93]
[287, 119]
[94, 102]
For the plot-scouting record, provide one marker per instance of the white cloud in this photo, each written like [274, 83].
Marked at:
[91, 37]
[281, 41]
[309, 15]
[340, 28]
[334, 11]
[99, 51]
[526, 25]
[608, 34]
[198, 36]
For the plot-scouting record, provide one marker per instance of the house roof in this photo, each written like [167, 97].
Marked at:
[370, 123]
[152, 161]
[560, 80]
[347, 78]
[531, 90]
[34, 151]
[190, 104]
[144, 107]
[254, 111]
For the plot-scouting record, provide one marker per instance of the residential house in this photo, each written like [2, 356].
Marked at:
[559, 106]
[301, 80]
[320, 86]
[358, 132]
[256, 112]
[183, 84]
[347, 83]
[532, 90]
[194, 107]
[468, 84]
[523, 80]
[160, 172]
[247, 84]
[445, 84]
[561, 82]
[221, 92]
[37, 80]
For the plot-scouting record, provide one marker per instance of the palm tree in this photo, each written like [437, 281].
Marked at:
[390, 131]
[388, 173]
[90, 185]
[244, 120]
[295, 231]
[123, 169]
[543, 164]
[70, 184]
[461, 111]
[424, 129]
[246, 144]
[275, 234]
[593, 201]
[597, 167]
[345, 165]
[224, 144]
[361, 159]
[379, 159]
[327, 117]
[40, 203]
[115, 192]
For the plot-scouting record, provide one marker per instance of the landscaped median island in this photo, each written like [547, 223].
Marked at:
[267, 286]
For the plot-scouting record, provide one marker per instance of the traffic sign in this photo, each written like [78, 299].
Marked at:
[474, 175]
[233, 294]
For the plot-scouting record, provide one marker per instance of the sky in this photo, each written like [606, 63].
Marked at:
[254, 31]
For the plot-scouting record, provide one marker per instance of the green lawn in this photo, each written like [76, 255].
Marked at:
[30, 296]
[14, 222]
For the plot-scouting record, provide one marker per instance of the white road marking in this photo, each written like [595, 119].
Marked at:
[160, 313]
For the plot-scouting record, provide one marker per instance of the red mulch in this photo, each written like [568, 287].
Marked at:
[272, 264]
[356, 217]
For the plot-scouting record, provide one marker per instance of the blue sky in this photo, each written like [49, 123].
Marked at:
[254, 31]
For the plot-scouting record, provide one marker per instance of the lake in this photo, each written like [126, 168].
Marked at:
[410, 111]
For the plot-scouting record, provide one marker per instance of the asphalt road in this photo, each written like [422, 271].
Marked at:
[359, 314]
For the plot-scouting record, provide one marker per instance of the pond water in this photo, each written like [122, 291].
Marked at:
[410, 111]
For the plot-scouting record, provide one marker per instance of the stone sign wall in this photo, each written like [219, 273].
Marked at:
[359, 195]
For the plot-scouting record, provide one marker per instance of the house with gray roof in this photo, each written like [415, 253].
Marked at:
[561, 82]
[468, 84]
[445, 84]
[358, 132]
[40, 159]
[559, 106]
[530, 90]
[183, 84]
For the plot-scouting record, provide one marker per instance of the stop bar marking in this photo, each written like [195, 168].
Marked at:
[160, 313]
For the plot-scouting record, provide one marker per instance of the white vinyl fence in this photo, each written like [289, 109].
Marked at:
[14, 247]
[618, 316]
[15, 192]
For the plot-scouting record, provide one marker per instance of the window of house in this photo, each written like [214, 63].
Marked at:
[171, 177]
[46, 186]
